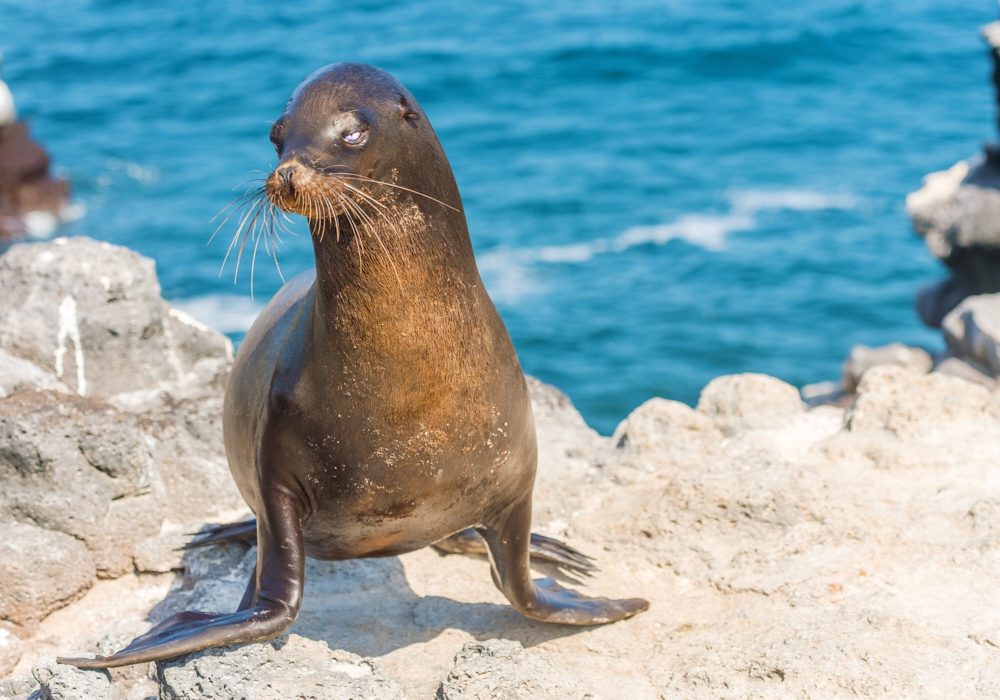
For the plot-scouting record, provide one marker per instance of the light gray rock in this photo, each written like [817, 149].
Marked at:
[16, 373]
[957, 211]
[287, 667]
[79, 466]
[862, 358]
[10, 645]
[40, 571]
[161, 553]
[500, 669]
[749, 402]
[963, 369]
[144, 690]
[667, 431]
[91, 314]
[957, 208]
[18, 688]
[61, 682]
[972, 330]
[824, 394]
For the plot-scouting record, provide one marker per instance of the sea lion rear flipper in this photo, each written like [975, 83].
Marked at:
[508, 537]
[243, 531]
[269, 606]
[542, 548]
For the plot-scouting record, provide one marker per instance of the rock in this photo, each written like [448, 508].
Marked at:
[18, 688]
[61, 682]
[10, 646]
[662, 431]
[901, 420]
[161, 553]
[824, 394]
[287, 667]
[956, 211]
[935, 300]
[91, 314]
[16, 374]
[972, 331]
[40, 571]
[144, 690]
[863, 358]
[78, 466]
[500, 669]
[956, 367]
[749, 402]
[27, 191]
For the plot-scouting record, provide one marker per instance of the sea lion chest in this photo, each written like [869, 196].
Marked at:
[396, 429]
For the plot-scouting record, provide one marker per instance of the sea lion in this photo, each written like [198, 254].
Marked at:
[377, 405]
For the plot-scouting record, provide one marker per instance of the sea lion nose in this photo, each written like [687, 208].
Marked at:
[286, 173]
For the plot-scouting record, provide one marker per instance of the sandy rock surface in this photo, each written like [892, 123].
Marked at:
[786, 552]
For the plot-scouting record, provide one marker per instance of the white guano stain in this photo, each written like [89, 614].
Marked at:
[70, 329]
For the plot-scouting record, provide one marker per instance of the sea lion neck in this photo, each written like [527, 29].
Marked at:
[378, 275]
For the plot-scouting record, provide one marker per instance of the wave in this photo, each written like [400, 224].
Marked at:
[227, 313]
[507, 271]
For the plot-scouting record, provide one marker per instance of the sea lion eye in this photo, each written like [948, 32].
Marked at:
[355, 137]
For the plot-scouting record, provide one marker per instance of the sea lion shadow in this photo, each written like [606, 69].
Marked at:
[367, 606]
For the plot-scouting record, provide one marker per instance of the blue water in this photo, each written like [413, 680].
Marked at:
[658, 192]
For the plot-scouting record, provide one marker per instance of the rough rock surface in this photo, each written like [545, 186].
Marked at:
[957, 211]
[60, 682]
[972, 331]
[40, 571]
[862, 358]
[500, 669]
[91, 314]
[286, 667]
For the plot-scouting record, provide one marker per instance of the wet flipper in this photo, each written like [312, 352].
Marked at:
[541, 548]
[269, 606]
[508, 538]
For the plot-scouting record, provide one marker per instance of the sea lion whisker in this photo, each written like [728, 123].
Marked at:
[364, 195]
[249, 202]
[398, 187]
[236, 236]
[253, 261]
[243, 243]
[354, 228]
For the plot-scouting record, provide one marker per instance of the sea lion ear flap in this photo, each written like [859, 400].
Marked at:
[408, 113]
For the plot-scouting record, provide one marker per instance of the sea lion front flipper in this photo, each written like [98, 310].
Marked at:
[508, 537]
[542, 548]
[268, 608]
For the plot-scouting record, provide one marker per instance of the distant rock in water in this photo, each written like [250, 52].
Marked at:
[957, 211]
[32, 202]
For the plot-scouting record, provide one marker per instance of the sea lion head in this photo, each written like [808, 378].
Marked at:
[352, 133]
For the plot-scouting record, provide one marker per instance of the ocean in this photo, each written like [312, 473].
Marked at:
[658, 192]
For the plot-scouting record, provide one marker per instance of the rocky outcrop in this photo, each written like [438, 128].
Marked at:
[59, 682]
[40, 571]
[128, 446]
[500, 669]
[287, 667]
